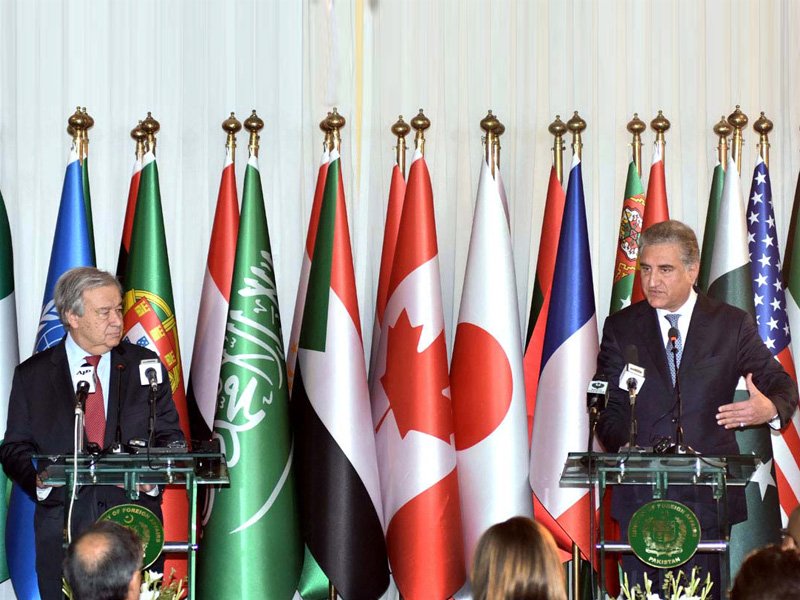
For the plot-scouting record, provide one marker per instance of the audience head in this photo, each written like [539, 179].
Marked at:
[792, 539]
[770, 573]
[517, 560]
[104, 563]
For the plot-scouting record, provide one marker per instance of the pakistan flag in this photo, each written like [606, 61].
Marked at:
[251, 544]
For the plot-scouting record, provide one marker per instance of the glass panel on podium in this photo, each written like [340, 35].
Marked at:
[659, 472]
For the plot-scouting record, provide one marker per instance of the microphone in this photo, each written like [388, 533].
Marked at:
[597, 394]
[150, 373]
[672, 335]
[117, 447]
[85, 378]
[632, 377]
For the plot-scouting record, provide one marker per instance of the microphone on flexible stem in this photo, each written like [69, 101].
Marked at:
[85, 386]
[596, 400]
[678, 447]
[632, 379]
[150, 375]
[117, 447]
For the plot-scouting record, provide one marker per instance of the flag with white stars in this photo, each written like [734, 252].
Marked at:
[769, 300]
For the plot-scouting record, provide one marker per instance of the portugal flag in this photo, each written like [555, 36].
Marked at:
[150, 321]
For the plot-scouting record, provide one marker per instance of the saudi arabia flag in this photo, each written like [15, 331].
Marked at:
[251, 544]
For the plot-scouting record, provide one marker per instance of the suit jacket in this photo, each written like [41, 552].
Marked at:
[721, 346]
[40, 421]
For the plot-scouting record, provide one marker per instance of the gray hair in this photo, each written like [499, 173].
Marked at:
[68, 294]
[672, 232]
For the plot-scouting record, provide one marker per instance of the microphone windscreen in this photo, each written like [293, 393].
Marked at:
[631, 354]
[673, 333]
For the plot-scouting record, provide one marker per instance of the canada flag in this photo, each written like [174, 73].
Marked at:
[412, 413]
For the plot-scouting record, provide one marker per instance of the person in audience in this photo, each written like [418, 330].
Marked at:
[769, 573]
[517, 560]
[791, 540]
[104, 563]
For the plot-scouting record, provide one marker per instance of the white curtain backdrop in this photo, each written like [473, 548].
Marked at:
[192, 62]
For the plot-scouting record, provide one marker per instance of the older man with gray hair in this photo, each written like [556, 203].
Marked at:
[41, 408]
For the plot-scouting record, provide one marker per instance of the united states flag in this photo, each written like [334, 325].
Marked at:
[773, 324]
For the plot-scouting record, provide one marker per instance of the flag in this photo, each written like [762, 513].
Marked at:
[791, 285]
[9, 358]
[337, 472]
[127, 227]
[87, 203]
[712, 215]
[656, 208]
[149, 321]
[486, 376]
[545, 264]
[305, 268]
[251, 545]
[630, 226]
[201, 393]
[394, 209]
[730, 281]
[569, 358]
[412, 413]
[71, 248]
[769, 300]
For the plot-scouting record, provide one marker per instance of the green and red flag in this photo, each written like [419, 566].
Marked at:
[630, 226]
[656, 209]
[545, 265]
[127, 227]
[150, 321]
[251, 545]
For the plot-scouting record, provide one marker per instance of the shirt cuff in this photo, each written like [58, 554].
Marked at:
[775, 423]
[43, 493]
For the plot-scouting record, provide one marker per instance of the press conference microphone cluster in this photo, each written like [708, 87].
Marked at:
[150, 375]
[632, 379]
[596, 400]
[679, 447]
[85, 385]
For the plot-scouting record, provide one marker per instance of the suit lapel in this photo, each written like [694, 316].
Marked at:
[61, 378]
[118, 383]
[698, 328]
[653, 343]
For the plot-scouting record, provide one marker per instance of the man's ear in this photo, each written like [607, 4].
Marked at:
[72, 319]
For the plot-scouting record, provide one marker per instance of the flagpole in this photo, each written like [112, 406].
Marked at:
[763, 126]
[151, 127]
[420, 123]
[401, 129]
[723, 130]
[499, 130]
[557, 129]
[636, 127]
[576, 125]
[737, 120]
[335, 123]
[140, 137]
[231, 126]
[489, 124]
[660, 125]
[327, 141]
[253, 124]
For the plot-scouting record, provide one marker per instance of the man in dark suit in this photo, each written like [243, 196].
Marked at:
[41, 412]
[719, 345]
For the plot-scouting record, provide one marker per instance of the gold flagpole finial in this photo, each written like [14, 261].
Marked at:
[489, 124]
[151, 128]
[335, 123]
[763, 126]
[557, 129]
[637, 127]
[420, 123]
[660, 124]
[738, 120]
[140, 136]
[231, 126]
[722, 129]
[499, 130]
[253, 124]
[88, 124]
[576, 125]
[75, 124]
[327, 142]
[400, 129]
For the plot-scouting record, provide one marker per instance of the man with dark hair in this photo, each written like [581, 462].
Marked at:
[104, 563]
[717, 345]
[41, 409]
[770, 573]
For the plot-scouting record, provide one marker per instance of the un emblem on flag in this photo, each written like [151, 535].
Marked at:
[50, 328]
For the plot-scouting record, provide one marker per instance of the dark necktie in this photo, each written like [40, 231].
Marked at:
[673, 321]
[95, 408]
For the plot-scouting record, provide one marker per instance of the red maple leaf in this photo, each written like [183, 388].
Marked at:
[415, 381]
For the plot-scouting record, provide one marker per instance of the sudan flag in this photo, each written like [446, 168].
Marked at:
[337, 469]
[150, 321]
[251, 544]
